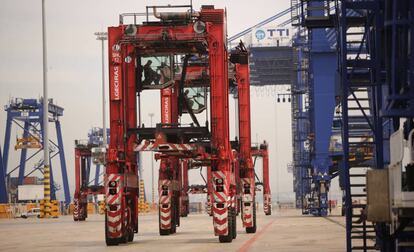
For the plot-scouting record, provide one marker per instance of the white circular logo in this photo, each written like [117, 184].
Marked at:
[260, 34]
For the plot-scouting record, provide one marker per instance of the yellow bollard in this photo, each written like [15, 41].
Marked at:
[46, 211]
[54, 213]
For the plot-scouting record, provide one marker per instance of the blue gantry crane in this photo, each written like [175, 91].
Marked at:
[374, 105]
[359, 65]
[301, 123]
[316, 81]
[26, 115]
[313, 94]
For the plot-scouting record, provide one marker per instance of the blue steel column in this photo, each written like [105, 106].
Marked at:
[300, 127]
[323, 63]
[52, 182]
[3, 190]
[88, 168]
[97, 173]
[7, 140]
[23, 154]
[62, 162]
[345, 125]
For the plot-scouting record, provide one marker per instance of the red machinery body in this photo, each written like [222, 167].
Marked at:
[184, 199]
[262, 151]
[82, 186]
[240, 58]
[121, 180]
[179, 37]
[170, 172]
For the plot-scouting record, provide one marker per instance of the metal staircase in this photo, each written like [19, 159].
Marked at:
[300, 122]
[319, 14]
[362, 132]
[294, 12]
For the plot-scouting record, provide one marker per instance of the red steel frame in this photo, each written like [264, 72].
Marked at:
[82, 190]
[223, 189]
[121, 178]
[169, 179]
[247, 175]
[121, 172]
[262, 152]
[184, 199]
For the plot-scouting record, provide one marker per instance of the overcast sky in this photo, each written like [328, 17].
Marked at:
[74, 72]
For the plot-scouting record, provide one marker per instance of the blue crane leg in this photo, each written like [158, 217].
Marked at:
[52, 182]
[63, 163]
[6, 145]
[323, 68]
[3, 190]
[23, 155]
[97, 172]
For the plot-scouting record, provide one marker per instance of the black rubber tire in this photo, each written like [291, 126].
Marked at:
[131, 236]
[173, 229]
[229, 237]
[174, 216]
[124, 238]
[109, 241]
[270, 211]
[112, 242]
[164, 231]
[252, 230]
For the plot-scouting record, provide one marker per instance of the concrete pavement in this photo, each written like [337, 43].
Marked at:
[285, 230]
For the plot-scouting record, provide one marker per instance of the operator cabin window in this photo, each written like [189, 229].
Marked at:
[156, 71]
[196, 99]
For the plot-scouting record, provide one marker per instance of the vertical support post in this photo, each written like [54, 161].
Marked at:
[104, 136]
[209, 191]
[102, 36]
[3, 190]
[267, 196]
[167, 193]
[23, 155]
[381, 232]
[185, 188]
[7, 141]
[152, 168]
[323, 71]
[245, 156]
[345, 126]
[52, 181]
[76, 197]
[46, 169]
[97, 173]
[88, 169]
[62, 159]
[220, 139]
[122, 160]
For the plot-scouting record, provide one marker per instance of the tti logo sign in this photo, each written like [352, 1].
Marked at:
[271, 32]
[260, 34]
